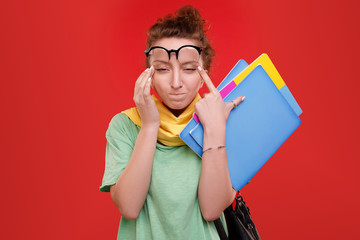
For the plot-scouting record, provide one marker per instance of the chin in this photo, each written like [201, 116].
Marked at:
[176, 105]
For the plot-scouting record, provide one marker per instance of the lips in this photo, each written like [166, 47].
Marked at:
[177, 94]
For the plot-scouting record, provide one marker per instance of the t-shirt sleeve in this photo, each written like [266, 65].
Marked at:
[121, 137]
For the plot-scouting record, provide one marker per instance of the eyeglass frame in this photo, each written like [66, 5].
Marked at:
[199, 49]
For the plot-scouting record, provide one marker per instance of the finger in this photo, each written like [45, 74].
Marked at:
[142, 76]
[204, 95]
[140, 80]
[207, 80]
[146, 79]
[140, 83]
[147, 87]
[234, 103]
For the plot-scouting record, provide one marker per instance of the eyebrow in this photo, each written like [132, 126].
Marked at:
[182, 64]
[161, 62]
[189, 62]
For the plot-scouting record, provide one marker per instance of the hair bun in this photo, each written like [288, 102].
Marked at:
[191, 15]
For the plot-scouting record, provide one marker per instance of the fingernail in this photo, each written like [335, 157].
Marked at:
[149, 79]
[152, 67]
[147, 70]
[242, 99]
[200, 68]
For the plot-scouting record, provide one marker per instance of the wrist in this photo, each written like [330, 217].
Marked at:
[213, 148]
[216, 132]
[212, 139]
[150, 128]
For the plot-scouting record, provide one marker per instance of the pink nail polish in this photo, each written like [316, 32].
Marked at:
[147, 70]
[200, 68]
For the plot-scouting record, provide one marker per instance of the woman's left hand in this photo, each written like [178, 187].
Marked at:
[215, 190]
[212, 111]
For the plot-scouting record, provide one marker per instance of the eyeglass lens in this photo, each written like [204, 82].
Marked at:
[185, 55]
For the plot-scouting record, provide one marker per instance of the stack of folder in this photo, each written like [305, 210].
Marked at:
[258, 126]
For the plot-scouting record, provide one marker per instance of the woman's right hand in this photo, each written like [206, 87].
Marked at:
[145, 104]
[130, 191]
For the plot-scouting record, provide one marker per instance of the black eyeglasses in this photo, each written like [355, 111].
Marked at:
[186, 53]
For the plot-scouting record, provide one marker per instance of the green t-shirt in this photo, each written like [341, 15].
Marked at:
[171, 209]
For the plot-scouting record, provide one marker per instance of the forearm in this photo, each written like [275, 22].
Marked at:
[215, 189]
[130, 191]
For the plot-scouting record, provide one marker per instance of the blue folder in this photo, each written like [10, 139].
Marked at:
[185, 134]
[255, 129]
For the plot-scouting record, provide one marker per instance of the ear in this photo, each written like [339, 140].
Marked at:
[152, 83]
[202, 83]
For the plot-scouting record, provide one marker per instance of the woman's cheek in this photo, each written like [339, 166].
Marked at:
[197, 81]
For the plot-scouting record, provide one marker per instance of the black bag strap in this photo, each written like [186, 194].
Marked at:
[247, 217]
[220, 229]
[239, 223]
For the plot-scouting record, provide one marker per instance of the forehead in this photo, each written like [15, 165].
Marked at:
[174, 43]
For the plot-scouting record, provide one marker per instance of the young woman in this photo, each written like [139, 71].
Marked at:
[162, 189]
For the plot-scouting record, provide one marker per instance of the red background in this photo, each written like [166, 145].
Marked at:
[68, 66]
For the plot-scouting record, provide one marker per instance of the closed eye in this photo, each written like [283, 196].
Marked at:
[160, 69]
[189, 69]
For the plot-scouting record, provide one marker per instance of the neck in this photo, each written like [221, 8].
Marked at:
[176, 112]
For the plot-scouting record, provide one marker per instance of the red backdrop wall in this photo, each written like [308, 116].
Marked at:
[68, 66]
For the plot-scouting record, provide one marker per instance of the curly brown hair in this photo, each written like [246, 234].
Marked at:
[185, 23]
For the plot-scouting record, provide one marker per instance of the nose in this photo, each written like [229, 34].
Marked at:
[176, 81]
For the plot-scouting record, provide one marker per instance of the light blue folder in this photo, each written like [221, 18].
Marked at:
[185, 134]
[255, 129]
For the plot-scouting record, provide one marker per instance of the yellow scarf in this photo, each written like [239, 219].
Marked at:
[170, 125]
